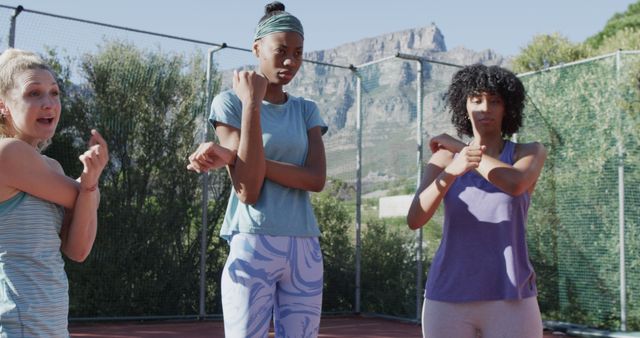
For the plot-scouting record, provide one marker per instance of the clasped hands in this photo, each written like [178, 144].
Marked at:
[469, 155]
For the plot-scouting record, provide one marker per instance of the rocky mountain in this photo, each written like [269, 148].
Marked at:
[388, 98]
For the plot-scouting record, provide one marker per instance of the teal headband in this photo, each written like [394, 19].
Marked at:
[283, 22]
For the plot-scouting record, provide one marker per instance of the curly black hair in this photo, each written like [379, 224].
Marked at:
[476, 79]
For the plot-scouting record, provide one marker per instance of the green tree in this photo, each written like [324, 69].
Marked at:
[146, 257]
[388, 270]
[628, 20]
[545, 51]
[622, 31]
[338, 250]
[627, 38]
[583, 114]
[69, 141]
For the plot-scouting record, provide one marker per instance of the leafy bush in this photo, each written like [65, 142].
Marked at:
[146, 256]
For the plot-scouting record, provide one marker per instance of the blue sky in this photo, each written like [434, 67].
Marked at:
[504, 26]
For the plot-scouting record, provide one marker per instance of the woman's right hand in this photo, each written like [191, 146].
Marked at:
[469, 158]
[250, 86]
[94, 161]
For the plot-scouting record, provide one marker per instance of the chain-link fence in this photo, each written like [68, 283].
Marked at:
[584, 223]
[149, 95]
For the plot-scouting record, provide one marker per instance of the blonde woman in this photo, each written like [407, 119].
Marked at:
[43, 213]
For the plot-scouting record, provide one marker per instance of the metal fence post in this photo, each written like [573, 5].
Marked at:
[358, 186]
[419, 155]
[205, 186]
[419, 113]
[621, 220]
[359, 173]
[12, 28]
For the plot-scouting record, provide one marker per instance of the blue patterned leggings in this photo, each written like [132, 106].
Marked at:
[277, 275]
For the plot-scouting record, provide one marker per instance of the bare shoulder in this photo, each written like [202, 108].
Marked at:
[10, 143]
[14, 150]
[535, 149]
[13, 154]
[55, 165]
[23, 168]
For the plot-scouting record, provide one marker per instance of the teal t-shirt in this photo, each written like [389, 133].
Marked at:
[280, 210]
[34, 291]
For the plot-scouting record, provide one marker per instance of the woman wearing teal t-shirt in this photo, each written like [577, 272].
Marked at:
[271, 144]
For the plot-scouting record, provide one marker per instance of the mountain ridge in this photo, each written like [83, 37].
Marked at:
[388, 97]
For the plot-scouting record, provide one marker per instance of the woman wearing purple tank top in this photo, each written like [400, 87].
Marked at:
[481, 280]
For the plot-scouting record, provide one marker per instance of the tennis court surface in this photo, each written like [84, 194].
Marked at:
[330, 327]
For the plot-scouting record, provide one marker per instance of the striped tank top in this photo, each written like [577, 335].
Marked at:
[34, 299]
[483, 252]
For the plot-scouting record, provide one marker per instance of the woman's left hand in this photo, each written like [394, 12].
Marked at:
[210, 156]
[445, 141]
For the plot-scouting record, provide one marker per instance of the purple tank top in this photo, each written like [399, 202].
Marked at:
[483, 252]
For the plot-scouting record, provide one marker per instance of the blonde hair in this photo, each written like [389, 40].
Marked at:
[13, 62]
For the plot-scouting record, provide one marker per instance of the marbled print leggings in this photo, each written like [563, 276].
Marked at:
[272, 275]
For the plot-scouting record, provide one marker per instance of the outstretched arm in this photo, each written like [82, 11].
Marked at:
[312, 176]
[520, 177]
[23, 168]
[513, 179]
